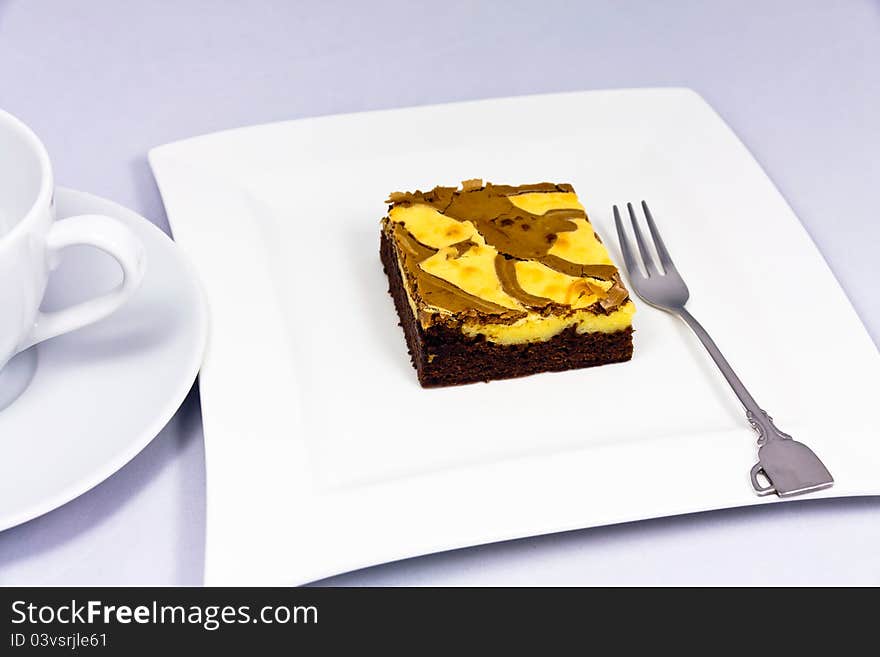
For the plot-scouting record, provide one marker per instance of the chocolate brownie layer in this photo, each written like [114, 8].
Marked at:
[445, 356]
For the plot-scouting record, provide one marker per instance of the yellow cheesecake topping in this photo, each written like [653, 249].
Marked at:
[511, 264]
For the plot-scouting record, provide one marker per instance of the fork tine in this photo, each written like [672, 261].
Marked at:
[629, 259]
[647, 258]
[665, 258]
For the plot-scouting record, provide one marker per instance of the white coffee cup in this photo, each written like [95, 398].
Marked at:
[31, 242]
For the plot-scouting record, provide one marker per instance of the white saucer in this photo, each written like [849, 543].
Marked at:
[94, 398]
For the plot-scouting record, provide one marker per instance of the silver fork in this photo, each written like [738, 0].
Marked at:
[790, 467]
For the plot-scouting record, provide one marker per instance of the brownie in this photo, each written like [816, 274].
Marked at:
[496, 281]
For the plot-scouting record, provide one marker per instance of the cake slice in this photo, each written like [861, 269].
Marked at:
[495, 281]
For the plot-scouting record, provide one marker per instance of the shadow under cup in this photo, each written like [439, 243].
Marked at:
[16, 376]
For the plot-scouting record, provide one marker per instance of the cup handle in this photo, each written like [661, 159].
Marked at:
[756, 470]
[108, 235]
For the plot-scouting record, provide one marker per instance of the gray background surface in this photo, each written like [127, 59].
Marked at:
[102, 81]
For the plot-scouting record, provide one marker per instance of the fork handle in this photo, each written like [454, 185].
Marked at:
[744, 395]
[751, 406]
[761, 422]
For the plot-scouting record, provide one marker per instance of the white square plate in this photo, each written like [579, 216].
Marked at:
[324, 454]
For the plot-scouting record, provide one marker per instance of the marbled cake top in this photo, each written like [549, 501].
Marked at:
[485, 257]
